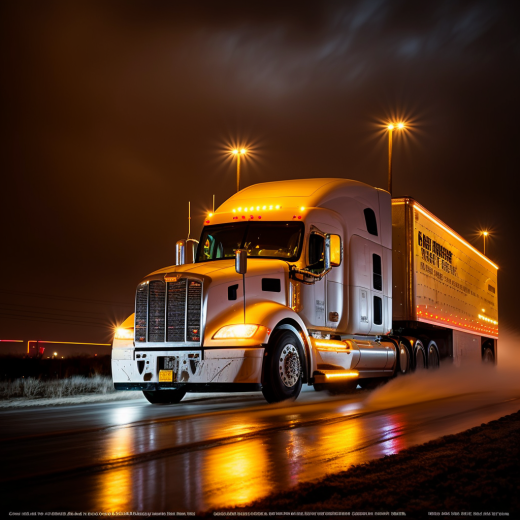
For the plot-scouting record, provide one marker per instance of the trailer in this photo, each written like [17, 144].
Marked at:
[325, 282]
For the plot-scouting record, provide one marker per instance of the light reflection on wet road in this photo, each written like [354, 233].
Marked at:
[209, 452]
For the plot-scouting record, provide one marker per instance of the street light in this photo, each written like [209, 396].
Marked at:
[391, 127]
[237, 154]
[484, 234]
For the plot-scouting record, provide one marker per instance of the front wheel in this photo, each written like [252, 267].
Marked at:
[165, 396]
[283, 367]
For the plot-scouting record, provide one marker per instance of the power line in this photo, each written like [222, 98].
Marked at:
[39, 309]
[56, 320]
[44, 314]
[70, 298]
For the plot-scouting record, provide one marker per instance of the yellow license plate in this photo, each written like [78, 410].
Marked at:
[165, 376]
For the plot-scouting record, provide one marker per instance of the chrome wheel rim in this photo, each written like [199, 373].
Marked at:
[289, 366]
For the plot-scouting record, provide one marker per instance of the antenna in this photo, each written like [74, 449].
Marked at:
[189, 219]
[213, 204]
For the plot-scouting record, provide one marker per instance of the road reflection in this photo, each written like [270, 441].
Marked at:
[236, 473]
[115, 486]
[215, 461]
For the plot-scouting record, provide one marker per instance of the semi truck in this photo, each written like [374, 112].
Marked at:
[324, 282]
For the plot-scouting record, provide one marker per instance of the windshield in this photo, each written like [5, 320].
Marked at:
[261, 239]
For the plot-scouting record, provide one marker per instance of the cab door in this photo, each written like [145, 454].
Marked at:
[323, 298]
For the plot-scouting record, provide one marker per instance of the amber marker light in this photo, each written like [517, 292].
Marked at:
[342, 375]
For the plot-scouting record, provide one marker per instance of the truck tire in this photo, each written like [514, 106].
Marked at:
[403, 359]
[282, 370]
[433, 355]
[420, 356]
[165, 396]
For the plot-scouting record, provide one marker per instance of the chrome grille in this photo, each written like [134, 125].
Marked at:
[156, 318]
[176, 310]
[168, 311]
[141, 312]
[194, 303]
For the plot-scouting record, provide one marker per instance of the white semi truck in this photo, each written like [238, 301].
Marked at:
[326, 282]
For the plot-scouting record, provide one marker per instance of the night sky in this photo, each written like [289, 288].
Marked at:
[116, 114]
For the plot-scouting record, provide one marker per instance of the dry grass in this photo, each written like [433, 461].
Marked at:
[32, 388]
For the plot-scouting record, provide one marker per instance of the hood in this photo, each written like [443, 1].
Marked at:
[221, 271]
[203, 268]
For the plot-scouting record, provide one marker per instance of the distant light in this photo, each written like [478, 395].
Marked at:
[264, 207]
[234, 152]
[400, 126]
[55, 354]
[485, 233]
[277, 207]
[390, 127]
[243, 150]
[239, 209]
[302, 208]
[210, 215]
[258, 208]
[270, 207]
[234, 211]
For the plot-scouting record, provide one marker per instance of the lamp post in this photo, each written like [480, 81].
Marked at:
[391, 128]
[484, 234]
[237, 154]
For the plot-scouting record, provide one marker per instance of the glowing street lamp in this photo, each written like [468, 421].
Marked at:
[237, 154]
[484, 234]
[391, 127]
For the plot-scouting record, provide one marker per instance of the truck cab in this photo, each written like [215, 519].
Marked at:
[310, 304]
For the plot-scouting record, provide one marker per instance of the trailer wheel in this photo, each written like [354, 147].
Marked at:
[433, 355]
[282, 371]
[488, 358]
[165, 396]
[403, 359]
[420, 357]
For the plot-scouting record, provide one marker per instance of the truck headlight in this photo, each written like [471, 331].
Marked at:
[124, 333]
[242, 331]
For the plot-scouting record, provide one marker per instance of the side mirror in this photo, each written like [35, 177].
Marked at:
[335, 250]
[326, 260]
[241, 261]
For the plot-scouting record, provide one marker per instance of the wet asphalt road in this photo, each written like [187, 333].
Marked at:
[209, 452]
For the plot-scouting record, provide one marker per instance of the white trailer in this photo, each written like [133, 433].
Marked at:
[292, 283]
